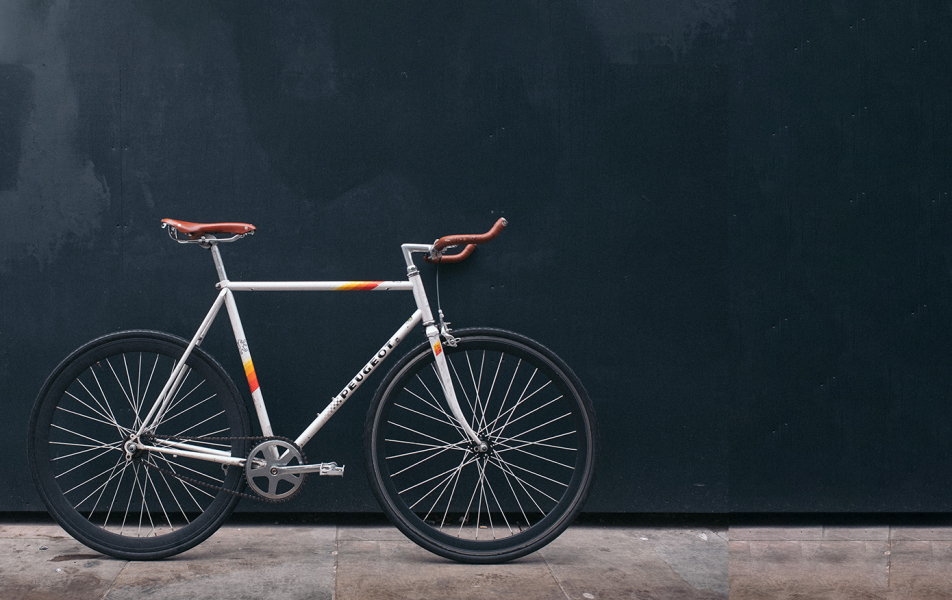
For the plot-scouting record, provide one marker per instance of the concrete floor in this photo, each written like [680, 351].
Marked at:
[368, 559]
[861, 563]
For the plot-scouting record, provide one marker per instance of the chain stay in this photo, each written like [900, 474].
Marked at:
[149, 439]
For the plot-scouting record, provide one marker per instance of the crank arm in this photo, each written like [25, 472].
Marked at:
[322, 468]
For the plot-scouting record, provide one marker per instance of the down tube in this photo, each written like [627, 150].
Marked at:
[359, 379]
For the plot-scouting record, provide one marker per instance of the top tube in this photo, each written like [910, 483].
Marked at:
[316, 286]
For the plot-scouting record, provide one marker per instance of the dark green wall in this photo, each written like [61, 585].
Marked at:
[731, 218]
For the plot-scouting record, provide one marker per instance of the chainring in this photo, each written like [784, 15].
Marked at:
[260, 468]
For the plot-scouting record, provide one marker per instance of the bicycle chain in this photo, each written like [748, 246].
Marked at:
[259, 439]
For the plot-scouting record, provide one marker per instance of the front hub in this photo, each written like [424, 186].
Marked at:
[484, 448]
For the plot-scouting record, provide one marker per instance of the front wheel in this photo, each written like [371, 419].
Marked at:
[476, 506]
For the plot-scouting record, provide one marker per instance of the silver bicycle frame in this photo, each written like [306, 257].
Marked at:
[226, 296]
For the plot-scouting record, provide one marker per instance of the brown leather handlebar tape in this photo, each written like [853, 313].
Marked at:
[470, 241]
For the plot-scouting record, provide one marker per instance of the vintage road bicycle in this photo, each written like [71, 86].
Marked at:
[480, 444]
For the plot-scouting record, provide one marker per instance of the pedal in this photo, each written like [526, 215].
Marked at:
[332, 469]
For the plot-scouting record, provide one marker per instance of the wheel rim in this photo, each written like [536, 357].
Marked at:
[526, 411]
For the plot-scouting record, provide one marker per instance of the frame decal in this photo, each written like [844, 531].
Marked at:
[250, 374]
[359, 285]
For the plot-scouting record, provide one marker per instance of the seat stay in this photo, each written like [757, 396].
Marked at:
[178, 372]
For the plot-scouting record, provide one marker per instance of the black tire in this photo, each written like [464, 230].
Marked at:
[482, 507]
[129, 509]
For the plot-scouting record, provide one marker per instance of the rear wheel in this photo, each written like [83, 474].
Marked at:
[89, 408]
[438, 487]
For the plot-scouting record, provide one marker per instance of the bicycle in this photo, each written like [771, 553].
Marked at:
[480, 444]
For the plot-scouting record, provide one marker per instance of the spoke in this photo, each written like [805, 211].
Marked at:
[148, 383]
[515, 496]
[144, 505]
[523, 483]
[542, 425]
[178, 414]
[402, 492]
[144, 509]
[174, 497]
[135, 409]
[501, 510]
[176, 401]
[437, 419]
[85, 437]
[88, 449]
[478, 420]
[462, 388]
[158, 498]
[427, 448]
[470, 505]
[482, 495]
[93, 419]
[87, 461]
[106, 418]
[419, 433]
[219, 413]
[445, 483]
[492, 387]
[505, 396]
[499, 431]
[196, 471]
[115, 494]
[542, 458]
[187, 484]
[522, 400]
[209, 434]
[449, 502]
[436, 404]
[419, 462]
[100, 489]
[170, 402]
[121, 388]
[538, 442]
[125, 515]
[138, 398]
[108, 407]
[539, 475]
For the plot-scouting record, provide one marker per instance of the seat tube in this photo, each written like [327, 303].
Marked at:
[433, 335]
[249, 367]
[243, 350]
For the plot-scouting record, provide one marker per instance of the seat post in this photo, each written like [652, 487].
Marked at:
[219, 265]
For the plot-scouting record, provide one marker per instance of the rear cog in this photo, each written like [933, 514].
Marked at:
[263, 470]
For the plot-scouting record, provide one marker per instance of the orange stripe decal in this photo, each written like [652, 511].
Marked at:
[437, 349]
[250, 374]
[359, 285]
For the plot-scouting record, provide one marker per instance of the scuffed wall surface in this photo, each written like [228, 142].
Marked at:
[729, 218]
